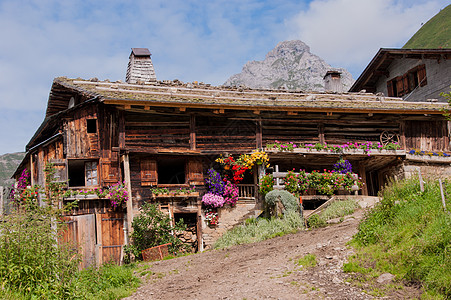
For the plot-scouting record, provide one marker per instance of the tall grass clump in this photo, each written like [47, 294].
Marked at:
[336, 209]
[409, 235]
[261, 229]
[35, 260]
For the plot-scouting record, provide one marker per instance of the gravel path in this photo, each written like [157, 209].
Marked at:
[264, 270]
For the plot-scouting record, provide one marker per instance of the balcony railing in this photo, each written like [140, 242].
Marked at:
[247, 191]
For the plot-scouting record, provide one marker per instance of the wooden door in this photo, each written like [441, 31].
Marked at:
[112, 230]
[80, 234]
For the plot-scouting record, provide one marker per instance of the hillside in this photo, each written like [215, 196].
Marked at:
[436, 33]
[8, 164]
[289, 65]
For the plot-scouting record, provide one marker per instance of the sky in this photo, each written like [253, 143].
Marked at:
[205, 41]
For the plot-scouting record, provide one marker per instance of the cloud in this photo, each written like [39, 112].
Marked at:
[348, 33]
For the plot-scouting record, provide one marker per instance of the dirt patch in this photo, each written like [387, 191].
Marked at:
[265, 270]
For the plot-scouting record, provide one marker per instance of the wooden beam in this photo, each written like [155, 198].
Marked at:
[182, 109]
[259, 135]
[256, 112]
[322, 140]
[127, 107]
[146, 107]
[292, 113]
[130, 198]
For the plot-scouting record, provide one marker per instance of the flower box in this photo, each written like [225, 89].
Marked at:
[173, 195]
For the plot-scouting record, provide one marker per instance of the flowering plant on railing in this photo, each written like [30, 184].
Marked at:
[214, 183]
[325, 183]
[365, 146]
[266, 184]
[211, 215]
[117, 194]
[428, 153]
[235, 169]
[231, 193]
[342, 166]
[213, 200]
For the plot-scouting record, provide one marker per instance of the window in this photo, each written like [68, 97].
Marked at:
[171, 171]
[82, 173]
[91, 125]
[402, 85]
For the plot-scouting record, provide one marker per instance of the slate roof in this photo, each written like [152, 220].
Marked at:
[199, 95]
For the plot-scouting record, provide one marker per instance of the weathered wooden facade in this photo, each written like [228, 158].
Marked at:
[167, 134]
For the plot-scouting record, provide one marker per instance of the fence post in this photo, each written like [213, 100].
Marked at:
[442, 193]
[421, 181]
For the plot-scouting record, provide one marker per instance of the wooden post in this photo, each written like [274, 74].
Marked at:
[421, 181]
[402, 131]
[98, 250]
[259, 135]
[442, 194]
[321, 136]
[192, 132]
[200, 240]
[362, 171]
[130, 198]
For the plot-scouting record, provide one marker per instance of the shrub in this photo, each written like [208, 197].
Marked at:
[315, 222]
[289, 202]
[151, 228]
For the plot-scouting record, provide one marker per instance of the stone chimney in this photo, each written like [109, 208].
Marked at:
[332, 82]
[140, 68]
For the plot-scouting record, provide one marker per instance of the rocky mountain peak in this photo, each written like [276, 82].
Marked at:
[286, 48]
[289, 65]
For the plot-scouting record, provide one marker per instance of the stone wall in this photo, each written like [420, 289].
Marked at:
[428, 170]
[438, 78]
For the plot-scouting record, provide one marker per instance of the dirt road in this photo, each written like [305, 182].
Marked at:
[264, 270]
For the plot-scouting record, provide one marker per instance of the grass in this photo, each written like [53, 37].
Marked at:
[258, 230]
[308, 261]
[334, 210]
[408, 235]
[108, 282]
[436, 33]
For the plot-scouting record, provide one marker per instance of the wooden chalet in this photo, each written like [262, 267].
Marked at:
[153, 133]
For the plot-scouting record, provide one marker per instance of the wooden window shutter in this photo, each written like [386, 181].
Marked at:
[149, 175]
[195, 172]
[110, 172]
[390, 89]
[60, 166]
[422, 75]
[399, 86]
[405, 81]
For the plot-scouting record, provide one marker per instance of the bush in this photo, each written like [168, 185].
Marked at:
[151, 228]
[289, 202]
